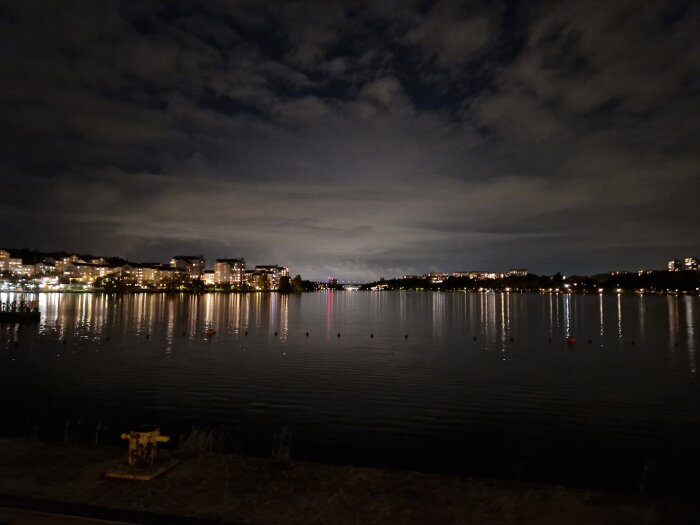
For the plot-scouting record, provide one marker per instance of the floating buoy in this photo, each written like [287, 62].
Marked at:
[474, 338]
[183, 334]
[211, 332]
[246, 332]
[632, 343]
[511, 339]
[571, 341]
[338, 335]
[406, 336]
[148, 336]
[275, 334]
[64, 341]
[371, 336]
[590, 342]
[107, 339]
[549, 340]
[675, 344]
[307, 334]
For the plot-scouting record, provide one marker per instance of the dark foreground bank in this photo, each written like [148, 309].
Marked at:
[218, 488]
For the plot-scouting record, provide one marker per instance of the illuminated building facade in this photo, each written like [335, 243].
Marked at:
[192, 265]
[229, 271]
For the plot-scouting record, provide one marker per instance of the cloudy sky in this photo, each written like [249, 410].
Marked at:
[354, 139]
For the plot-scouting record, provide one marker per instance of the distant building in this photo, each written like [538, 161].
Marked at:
[192, 265]
[26, 270]
[229, 271]
[436, 277]
[14, 265]
[674, 265]
[519, 272]
[44, 268]
[690, 263]
[332, 281]
[209, 277]
[267, 276]
[145, 274]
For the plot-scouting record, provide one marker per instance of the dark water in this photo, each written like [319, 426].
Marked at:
[510, 403]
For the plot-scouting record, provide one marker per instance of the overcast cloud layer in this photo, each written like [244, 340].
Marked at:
[355, 139]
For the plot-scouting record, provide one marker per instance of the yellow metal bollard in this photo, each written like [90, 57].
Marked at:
[142, 456]
[143, 446]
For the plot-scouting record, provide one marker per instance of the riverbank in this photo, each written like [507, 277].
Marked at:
[229, 488]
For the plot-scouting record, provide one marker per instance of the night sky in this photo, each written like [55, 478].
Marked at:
[354, 139]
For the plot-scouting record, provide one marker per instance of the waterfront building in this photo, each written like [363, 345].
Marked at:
[85, 273]
[209, 277]
[14, 265]
[518, 272]
[145, 274]
[229, 271]
[25, 270]
[436, 277]
[103, 270]
[265, 276]
[192, 265]
[273, 273]
[690, 263]
[674, 265]
[44, 268]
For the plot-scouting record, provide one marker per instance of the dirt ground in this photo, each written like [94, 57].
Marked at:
[265, 491]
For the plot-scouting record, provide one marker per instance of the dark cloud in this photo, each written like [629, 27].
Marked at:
[355, 139]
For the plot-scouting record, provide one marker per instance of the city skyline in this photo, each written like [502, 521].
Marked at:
[354, 139]
[85, 268]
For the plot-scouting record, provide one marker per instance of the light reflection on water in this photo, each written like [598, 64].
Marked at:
[492, 317]
[477, 370]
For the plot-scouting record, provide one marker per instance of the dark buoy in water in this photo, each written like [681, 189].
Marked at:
[590, 341]
[339, 335]
[246, 332]
[406, 336]
[549, 340]
[183, 334]
[64, 341]
[211, 332]
[632, 343]
[474, 338]
[275, 334]
[16, 344]
[148, 336]
[307, 334]
[511, 339]
[371, 336]
[571, 341]
[107, 339]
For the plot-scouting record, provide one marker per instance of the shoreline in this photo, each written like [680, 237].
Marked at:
[692, 293]
[237, 489]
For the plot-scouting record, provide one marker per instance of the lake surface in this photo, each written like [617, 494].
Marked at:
[477, 383]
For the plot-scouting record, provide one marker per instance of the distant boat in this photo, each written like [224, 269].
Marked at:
[13, 312]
